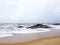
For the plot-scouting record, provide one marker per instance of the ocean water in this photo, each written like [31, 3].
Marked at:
[13, 29]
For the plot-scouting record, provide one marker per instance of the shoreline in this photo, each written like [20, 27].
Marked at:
[43, 41]
[20, 38]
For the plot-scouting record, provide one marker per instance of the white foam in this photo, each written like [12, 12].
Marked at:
[5, 35]
[25, 31]
[55, 26]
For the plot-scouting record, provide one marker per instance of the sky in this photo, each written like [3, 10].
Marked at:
[29, 11]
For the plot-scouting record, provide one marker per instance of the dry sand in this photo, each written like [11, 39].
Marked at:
[45, 41]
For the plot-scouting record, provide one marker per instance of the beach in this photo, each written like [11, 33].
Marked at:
[45, 41]
[46, 38]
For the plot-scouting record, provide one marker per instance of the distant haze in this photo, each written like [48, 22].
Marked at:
[29, 11]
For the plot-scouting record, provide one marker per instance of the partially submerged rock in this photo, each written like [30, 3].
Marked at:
[57, 24]
[39, 26]
[20, 26]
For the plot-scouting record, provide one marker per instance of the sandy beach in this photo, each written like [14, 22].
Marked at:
[44, 38]
[45, 41]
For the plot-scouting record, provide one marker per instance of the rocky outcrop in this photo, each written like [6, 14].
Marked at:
[57, 24]
[39, 26]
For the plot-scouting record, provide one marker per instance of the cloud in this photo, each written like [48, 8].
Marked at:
[7, 11]
[29, 11]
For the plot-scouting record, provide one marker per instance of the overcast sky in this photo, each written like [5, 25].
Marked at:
[29, 11]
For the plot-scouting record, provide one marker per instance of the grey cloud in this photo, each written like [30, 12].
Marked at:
[30, 11]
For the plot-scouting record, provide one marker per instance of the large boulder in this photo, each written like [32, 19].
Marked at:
[39, 26]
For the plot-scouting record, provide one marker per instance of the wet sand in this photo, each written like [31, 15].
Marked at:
[45, 41]
[46, 38]
[20, 38]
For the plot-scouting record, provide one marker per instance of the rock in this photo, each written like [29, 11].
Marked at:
[57, 24]
[20, 26]
[39, 26]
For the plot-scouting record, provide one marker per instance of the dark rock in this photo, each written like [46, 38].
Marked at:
[20, 26]
[57, 24]
[39, 26]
